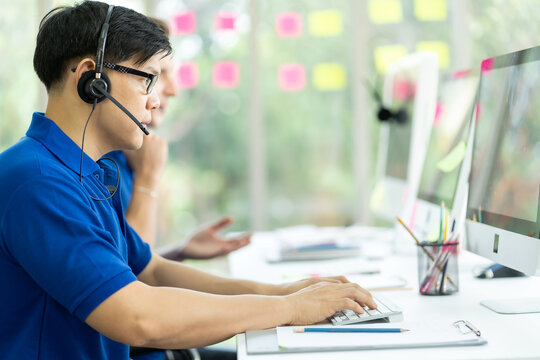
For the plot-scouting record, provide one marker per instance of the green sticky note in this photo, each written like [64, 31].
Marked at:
[430, 10]
[440, 48]
[329, 76]
[325, 23]
[451, 161]
[385, 11]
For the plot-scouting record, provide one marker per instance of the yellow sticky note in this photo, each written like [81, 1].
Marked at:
[385, 11]
[440, 48]
[430, 10]
[329, 76]
[452, 160]
[385, 55]
[325, 23]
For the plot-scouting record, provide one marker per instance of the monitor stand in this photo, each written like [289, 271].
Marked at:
[498, 271]
[513, 306]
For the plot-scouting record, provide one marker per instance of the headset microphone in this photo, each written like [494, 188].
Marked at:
[115, 102]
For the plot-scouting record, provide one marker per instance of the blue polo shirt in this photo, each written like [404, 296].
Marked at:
[126, 176]
[61, 252]
[125, 190]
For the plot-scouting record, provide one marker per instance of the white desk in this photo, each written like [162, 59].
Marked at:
[508, 336]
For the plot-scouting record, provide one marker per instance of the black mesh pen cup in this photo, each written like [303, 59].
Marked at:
[438, 268]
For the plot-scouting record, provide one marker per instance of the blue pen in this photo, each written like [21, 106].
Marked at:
[348, 330]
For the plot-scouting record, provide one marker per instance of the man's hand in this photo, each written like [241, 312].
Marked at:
[207, 243]
[149, 161]
[292, 287]
[321, 300]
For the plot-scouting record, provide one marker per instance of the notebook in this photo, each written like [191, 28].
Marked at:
[284, 339]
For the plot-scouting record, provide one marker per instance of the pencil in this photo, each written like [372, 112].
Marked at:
[348, 330]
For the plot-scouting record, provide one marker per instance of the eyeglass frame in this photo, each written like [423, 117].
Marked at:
[127, 70]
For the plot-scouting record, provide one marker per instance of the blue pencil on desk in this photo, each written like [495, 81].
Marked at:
[348, 330]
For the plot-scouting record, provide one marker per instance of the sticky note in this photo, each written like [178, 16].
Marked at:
[289, 25]
[385, 55]
[461, 74]
[430, 10]
[183, 23]
[225, 21]
[329, 77]
[452, 160]
[226, 75]
[292, 77]
[403, 90]
[487, 65]
[188, 75]
[477, 111]
[439, 48]
[438, 111]
[385, 11]
[325, 23]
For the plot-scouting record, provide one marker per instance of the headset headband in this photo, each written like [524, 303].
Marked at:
[101, 43]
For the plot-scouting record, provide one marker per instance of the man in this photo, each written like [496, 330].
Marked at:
[140, 175]
[77, 281]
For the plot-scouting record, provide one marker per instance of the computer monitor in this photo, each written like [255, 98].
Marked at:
[410, 86]
[504, 187]
[444, 155]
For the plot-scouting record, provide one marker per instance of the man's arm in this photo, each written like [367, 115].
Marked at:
[147, 164]
[165, 317]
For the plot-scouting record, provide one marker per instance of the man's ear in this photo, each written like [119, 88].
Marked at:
[86, 64]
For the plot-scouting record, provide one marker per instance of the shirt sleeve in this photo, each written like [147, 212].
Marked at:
[52, 230]
[139, 253]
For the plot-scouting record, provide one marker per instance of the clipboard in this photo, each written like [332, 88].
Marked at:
[284, 340]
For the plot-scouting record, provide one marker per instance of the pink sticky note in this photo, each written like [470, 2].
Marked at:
[461, 74]
[226, 75]
[477, 112]
[438, 112]
[225, 21]
[183, 23]
[292, 77]
[487, 65]
[402, 90]
[188, 76]
[289, 25]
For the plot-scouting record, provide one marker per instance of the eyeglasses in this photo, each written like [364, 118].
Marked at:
[151, 78]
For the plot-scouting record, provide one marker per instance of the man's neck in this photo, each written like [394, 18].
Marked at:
[71, 120]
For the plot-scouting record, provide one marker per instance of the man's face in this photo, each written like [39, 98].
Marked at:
[117, 129]
[165, 88]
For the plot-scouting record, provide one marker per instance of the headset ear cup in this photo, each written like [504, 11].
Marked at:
[84, 86]
[384, 114]
[401, 116]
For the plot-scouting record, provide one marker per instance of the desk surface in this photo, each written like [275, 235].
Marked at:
[508, 336]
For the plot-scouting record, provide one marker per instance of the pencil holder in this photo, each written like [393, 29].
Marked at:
[438, 268]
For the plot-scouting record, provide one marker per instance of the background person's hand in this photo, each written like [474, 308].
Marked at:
[321, 300]
[207, 243]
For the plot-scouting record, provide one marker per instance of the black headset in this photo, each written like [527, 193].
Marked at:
[94, 85]
[385, 114]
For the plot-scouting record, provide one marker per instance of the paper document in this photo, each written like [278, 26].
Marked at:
[420, 335]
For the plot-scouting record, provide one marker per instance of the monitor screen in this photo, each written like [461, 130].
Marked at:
[448, 139]
[505, 171]
[399, 134]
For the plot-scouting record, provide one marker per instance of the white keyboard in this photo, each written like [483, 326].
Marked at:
[385, 309]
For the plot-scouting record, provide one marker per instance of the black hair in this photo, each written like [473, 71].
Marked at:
[69, 33]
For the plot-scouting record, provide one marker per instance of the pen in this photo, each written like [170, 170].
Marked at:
[348, 330]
